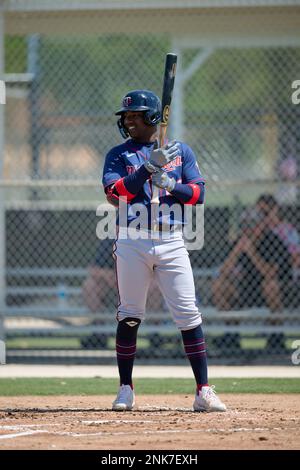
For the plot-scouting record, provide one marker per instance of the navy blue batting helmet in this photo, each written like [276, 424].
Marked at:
[140, 100]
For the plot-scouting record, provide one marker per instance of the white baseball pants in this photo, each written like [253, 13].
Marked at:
[137, 261]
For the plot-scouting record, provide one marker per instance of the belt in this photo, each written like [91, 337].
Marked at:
[166, 227]
[161, 231]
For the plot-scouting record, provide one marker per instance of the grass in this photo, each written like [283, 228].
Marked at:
[47, 343]
[23, 342]
[74, 343]
[100, 386]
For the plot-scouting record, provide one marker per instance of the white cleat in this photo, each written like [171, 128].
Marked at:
[125, 399]
[207, 400]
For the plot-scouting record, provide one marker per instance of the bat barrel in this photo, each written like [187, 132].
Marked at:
[168, 85]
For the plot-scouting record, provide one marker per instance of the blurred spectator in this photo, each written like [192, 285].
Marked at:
[268, 205]
[99, 288]
[99, 291]
[288, 171]
[258, 269]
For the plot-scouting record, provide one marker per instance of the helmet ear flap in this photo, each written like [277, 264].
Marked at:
[123, 131]
[151, 118]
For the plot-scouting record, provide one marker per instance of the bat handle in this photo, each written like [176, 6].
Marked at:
[155, 195]
[162, 139]
[162, 134]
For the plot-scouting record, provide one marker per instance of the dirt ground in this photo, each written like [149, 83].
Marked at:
[159, 422]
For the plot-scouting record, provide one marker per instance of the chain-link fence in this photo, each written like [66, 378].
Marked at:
[237, 114]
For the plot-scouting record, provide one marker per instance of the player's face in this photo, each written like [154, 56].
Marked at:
[138, 130]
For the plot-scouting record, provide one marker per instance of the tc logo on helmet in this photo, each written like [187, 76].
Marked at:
[127, 101]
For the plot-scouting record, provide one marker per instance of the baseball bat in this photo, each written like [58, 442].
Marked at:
[168, 86]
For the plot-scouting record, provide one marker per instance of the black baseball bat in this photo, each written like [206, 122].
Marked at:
[168, 86]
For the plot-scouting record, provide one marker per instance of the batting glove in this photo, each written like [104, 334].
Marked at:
[159, 157]
[163, 181]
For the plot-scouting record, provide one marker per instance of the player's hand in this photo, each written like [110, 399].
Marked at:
[163, 181]
[159, 157]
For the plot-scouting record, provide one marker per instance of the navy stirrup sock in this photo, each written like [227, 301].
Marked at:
[195, 349]
[126, 348]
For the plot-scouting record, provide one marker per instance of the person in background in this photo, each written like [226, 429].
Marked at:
[100, 293]
[258, 269]
[287, 232]
[99, 288]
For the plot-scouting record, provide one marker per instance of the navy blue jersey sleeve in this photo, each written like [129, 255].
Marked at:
[114, 168]
[190, 169]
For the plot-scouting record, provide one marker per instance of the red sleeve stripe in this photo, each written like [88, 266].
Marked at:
[111, 197]
[196, 194]
[122, 191]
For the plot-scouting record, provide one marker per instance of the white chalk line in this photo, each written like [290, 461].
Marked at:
[171, 431]
[20, 434]
[129, 421]
[184, 431]
[27, 432]
[16, 427]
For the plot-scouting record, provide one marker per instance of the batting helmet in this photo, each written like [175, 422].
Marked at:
[140, 100]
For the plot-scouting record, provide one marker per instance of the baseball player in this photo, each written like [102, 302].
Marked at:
[131, 170]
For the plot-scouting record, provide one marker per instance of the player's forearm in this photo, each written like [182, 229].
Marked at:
[128, 186]
[189, 193]
[134, 183]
